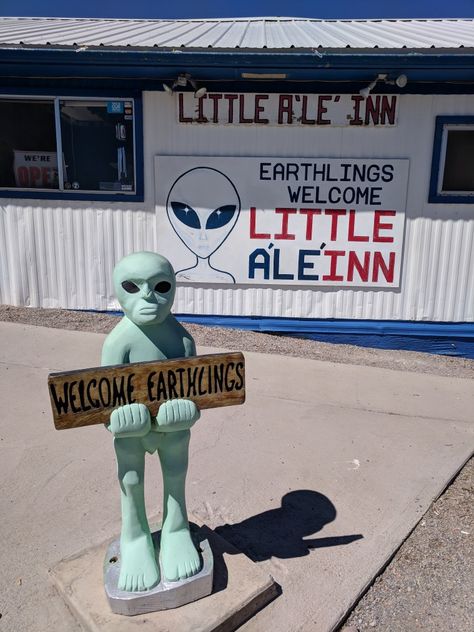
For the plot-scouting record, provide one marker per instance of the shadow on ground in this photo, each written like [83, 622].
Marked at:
[281, 532]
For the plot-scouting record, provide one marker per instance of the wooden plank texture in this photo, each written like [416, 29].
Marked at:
[86, 397]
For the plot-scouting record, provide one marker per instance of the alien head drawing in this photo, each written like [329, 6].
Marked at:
[203, 207]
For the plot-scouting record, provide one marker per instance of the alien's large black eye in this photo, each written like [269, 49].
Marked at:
[162, 287]
[130, 287]
[221, 216]
[186, 214]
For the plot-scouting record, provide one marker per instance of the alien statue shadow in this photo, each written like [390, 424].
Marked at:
[280, 532]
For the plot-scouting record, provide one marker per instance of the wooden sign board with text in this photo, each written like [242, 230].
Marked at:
[86, 397]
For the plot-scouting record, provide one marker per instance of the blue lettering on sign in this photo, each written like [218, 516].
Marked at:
[268, 262]
[115, 107]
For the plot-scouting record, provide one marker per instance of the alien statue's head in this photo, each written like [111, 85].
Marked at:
[145, 286]
[203, 206]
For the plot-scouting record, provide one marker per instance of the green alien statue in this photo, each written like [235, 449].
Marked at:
[145, 287]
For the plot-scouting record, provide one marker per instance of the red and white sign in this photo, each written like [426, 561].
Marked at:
[309, 110]
[36, 169]
[282, 221]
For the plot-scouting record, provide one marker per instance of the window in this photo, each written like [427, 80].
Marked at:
[452, 175]
[28, 145]
[95, 138]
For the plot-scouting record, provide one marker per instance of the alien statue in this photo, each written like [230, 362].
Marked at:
[145, 286]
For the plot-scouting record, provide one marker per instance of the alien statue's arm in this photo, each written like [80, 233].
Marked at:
[130, 420]
[179, 414]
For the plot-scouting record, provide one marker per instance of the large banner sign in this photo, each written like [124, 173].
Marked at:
[282, 221]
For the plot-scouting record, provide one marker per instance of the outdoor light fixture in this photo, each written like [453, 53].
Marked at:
[366, 91]
[401, 81]
[200, 92]
[181, 82]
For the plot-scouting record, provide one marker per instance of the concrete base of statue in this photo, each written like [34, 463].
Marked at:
[240, 588]
[166, 594]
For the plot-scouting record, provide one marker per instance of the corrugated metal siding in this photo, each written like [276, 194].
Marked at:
[63, 256]
[227, 33]
[55, 255]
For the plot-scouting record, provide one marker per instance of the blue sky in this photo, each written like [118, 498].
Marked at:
[234, 8]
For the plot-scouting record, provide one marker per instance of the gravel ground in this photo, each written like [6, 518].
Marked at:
[429, 583]
[255, 341]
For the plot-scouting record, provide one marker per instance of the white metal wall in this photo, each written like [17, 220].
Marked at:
[62, 255]
[58, 255]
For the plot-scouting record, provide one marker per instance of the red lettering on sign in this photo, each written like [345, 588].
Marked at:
[322, 110]
[379, 264]
[260, 108]
[181, 117]
[378, 226]
[200, 117]
[286, 212]
[230, 98]
[285, 106]
[334, 214]
[304, 108]
[253, 226]
[372, 109]
[354, 263]
[356, 119]
[45, 171]
[242, 118]
[23, 176]
[310, 213]
[35, 175]
[215, 106]
[352, 236]
[387, 112]
[334, 254]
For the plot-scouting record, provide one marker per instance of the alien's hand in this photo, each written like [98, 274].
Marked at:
[176, 414]
[131, 420]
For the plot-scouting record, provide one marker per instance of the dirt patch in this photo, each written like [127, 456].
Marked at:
[254, 341]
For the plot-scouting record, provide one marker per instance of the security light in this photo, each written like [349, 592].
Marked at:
[401, 81]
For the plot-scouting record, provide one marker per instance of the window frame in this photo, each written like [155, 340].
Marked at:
[68, 194]
[442, 126]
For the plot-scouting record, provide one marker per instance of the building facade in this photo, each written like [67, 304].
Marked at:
[290, 169]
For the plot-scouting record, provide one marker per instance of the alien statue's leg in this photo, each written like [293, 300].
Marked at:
[138, 566]
[179, 557]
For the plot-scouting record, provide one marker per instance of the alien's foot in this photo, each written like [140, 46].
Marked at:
[138, 567]
[179, 557]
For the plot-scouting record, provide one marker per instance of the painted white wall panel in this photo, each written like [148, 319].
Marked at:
[59, 254]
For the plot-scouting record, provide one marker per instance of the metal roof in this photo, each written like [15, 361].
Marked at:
[275, 33]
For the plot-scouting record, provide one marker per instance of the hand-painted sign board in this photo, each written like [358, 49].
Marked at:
[88, 396]
[306, 110]
[282, 221]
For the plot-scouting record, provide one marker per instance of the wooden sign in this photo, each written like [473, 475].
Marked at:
[88, 396]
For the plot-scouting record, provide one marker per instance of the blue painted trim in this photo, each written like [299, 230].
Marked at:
[450, 346]
[452, 339]
[314, 85]
[334, 326]
[445, 198]
[160, 64]
[136, 197]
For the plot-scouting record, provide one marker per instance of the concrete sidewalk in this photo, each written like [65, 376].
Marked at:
[317, 478]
